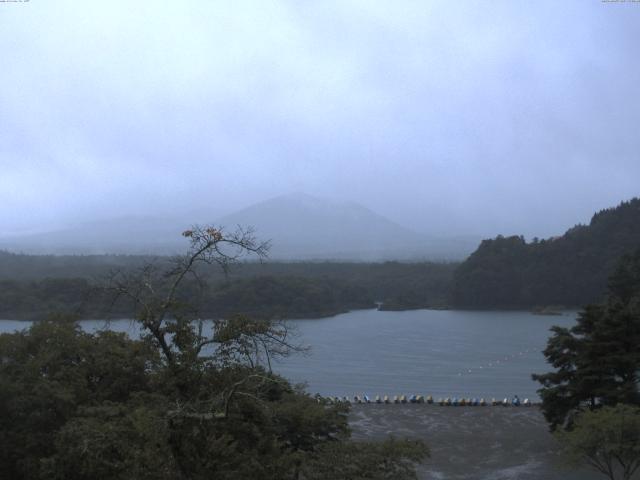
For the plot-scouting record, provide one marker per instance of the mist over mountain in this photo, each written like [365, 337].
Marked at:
[300, 227]
[120, 235]
[305, 227]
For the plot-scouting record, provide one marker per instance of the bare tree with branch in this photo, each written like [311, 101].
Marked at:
[155, 291]
[240, 346]
[255, 342]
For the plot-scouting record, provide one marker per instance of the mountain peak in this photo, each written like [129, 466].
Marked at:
[304, 226]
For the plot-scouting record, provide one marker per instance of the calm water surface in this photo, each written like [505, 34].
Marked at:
[442, 353]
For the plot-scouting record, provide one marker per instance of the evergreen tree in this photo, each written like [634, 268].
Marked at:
[596, 361]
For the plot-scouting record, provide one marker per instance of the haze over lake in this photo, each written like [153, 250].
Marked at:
[305, 200]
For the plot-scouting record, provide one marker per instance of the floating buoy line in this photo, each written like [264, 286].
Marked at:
[429, 400]
[495, 363]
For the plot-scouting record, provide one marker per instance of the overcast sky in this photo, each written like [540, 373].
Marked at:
[450, 117]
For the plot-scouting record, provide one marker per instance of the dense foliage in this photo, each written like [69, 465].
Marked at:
[597, 361]
[75, 405]
[182, 402]
[571, 270]
[285, 290]
[607, 439]
[286, 297]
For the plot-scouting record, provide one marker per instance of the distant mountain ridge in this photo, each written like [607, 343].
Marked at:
[122, 235]
[300, 226]
[571, 270]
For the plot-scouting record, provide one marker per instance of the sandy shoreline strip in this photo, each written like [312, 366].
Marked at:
[471, 443]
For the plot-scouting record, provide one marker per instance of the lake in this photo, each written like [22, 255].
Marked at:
[428, 352]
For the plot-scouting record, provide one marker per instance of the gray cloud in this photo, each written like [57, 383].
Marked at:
[451, 117]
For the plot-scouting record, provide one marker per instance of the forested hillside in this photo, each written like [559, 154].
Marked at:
[33, 286]
[571, 270]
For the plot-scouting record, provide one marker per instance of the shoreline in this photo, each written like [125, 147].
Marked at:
[471, 443]
[20, 317]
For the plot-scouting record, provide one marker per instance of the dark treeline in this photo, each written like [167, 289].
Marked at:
[33, 286]
[17, 266]
[572, 270]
